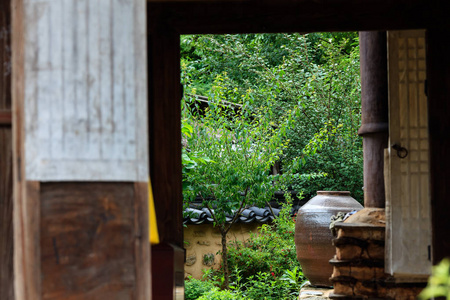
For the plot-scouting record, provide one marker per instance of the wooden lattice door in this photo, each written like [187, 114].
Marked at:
[408, 190]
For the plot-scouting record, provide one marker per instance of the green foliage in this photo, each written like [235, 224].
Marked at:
[216, 294]
[266, 266]
[271, 250]
[263, 285]
[190, 160]
[331, 101]
[208, 55]
[194, 288]
[309, 82]
[229, 160]
[294, 276]
[236, 157]
[439, 282]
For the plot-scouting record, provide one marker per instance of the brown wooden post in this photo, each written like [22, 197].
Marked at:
[6, 205]
[165, 157]
[374, 101]
[438, 79]
[80, 150]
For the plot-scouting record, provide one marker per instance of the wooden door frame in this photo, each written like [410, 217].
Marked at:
[167, 20]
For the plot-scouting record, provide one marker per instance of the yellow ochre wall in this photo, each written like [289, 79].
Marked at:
[204, 239]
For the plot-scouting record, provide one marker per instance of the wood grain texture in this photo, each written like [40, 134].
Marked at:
[374, 114]
[142, 246]
[438, 78]
[5, 117]
[167, 270]
[93, 241]
[164, 132]
[255, 16]
[5, 54]
[25, 195]
[6, 216]
[27, 276]
[6, 200]
[165, 160]
[85, 92]
[409, 218]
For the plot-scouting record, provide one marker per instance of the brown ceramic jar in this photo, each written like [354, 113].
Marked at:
[313, 238]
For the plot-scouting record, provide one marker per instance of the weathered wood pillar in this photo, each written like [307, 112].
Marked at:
[6, 205]
[80, 150]
[374, 114]
[438, 79]
[165, 156]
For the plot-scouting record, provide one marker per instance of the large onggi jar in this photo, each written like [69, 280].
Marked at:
[313, 238]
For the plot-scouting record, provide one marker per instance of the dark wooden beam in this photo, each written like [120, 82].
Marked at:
[165, 158]
[167, 271]
[6, 176]
[6, 216]
[5, 54]
[374, 114]
[438, 80]
[165, 132]
[254, 16]
[5, 117]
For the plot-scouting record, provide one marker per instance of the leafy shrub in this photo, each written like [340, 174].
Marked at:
[270, 251]
[194, 288]
[265, 285]
[266, 266]
[216, 294]
[439, 282]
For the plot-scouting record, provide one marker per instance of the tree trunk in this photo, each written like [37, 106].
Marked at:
[226, 274]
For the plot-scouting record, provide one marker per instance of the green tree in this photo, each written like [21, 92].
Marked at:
[240, 147]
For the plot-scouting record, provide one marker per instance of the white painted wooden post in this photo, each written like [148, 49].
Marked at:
[85, 90]
[80, 149]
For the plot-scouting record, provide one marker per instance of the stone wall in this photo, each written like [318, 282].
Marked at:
[202, 242]
[358, 266]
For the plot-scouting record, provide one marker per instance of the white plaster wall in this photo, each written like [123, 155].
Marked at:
[85, 90]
